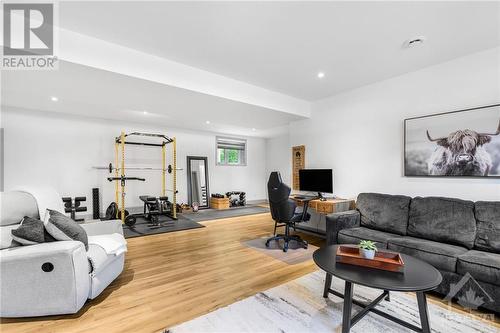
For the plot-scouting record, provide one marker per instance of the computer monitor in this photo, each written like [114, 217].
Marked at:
[316, 180]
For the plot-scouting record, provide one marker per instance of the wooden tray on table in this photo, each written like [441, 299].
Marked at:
[384, 260]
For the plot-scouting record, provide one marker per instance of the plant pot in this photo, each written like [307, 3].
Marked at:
[367, 254]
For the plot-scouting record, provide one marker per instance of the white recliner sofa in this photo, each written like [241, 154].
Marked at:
[51, 278]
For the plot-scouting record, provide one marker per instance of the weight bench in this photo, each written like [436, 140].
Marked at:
[154, 207]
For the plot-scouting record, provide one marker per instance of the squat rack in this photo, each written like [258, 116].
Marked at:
[120, 178]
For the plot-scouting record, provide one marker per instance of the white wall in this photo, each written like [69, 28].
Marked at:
[59, 150]
[279, 156]
[359, 133]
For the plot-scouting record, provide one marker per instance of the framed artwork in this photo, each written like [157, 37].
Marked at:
[298, 163]
[463, 143]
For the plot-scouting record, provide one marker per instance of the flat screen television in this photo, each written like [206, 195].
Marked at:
[316, 180]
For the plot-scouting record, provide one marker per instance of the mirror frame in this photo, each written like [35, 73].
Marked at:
[188, 168]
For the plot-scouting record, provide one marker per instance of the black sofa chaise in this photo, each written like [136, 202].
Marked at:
[455, 236]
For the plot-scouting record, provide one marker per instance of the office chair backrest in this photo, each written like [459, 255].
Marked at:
[278, 193]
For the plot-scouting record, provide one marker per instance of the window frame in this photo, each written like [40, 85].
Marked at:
[225, 163]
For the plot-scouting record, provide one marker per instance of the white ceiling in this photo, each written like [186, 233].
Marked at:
[97, 93]
[282, 45]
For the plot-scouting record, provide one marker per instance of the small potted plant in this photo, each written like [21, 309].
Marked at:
[367, 249]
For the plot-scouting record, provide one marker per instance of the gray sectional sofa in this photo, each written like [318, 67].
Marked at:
[455, 236]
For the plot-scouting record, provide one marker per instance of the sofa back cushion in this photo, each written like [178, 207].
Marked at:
[15, 206]
[488, 226]
[443, 220]
[384, 212]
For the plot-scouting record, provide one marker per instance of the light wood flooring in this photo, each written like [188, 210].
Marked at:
[174, 277]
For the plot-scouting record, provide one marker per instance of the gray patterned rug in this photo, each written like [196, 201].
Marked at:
[298, 306]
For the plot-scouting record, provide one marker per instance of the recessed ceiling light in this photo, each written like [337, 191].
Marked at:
[321, 75]
[207, 122]
[253, 129]
[54, 99]
[144, 112]
[416, 41]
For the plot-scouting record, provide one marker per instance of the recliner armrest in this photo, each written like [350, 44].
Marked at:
[97, 227]
[339, 221]
[43, 279]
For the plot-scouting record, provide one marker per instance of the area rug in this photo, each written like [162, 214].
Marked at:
[298, 306]
[214, 214]
[294, 255]
[142, 227]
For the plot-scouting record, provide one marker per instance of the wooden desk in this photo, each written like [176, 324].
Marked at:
[329, 206]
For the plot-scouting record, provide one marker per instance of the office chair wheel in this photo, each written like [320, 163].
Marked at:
[285, 247]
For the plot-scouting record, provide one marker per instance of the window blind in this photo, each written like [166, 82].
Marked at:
[231, 143]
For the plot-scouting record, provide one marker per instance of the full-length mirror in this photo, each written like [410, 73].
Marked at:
[197, 173]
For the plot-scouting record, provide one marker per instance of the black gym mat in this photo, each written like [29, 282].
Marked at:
[214, 214]
[142, 227]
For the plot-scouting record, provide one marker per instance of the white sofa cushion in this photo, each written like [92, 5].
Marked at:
[63, 228]
[6, 240]
[98, 258]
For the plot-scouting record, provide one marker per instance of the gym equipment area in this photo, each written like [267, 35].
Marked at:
[159, 213]
[154, 206]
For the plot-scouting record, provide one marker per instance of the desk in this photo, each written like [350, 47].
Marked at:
[328, 206]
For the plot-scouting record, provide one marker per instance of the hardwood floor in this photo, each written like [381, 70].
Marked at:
[174, 277]
[170, 278]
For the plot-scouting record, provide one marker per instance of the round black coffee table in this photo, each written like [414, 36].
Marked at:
[418, 277]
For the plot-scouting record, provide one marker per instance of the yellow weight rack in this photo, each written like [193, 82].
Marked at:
[120, 178]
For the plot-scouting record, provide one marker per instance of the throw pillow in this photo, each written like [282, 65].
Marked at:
[31, 231]
[63, 228]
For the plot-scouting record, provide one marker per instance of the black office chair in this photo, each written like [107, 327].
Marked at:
[283, 211]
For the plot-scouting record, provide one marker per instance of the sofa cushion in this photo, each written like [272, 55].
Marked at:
[31, 231]
[6, 239]
[440, 255]
[443, 220]
[62, 228]
[488, 226]
[98, 258]
[384, 212]
[483, 266]
[355, 235]
[15, 205]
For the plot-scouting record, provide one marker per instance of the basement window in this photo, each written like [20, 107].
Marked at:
[231, 151]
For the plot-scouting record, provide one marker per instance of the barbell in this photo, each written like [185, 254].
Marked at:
[110, 168]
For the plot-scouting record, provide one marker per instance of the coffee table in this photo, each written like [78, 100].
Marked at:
[418, 277]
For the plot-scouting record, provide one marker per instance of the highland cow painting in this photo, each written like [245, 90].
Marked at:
[455, 144]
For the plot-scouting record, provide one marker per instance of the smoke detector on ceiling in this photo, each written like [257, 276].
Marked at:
[414, 42]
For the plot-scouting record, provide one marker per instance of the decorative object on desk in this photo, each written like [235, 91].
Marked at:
[195, 206]
[387, 261]
[367, 249]
[457, 144]
[298, 163]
